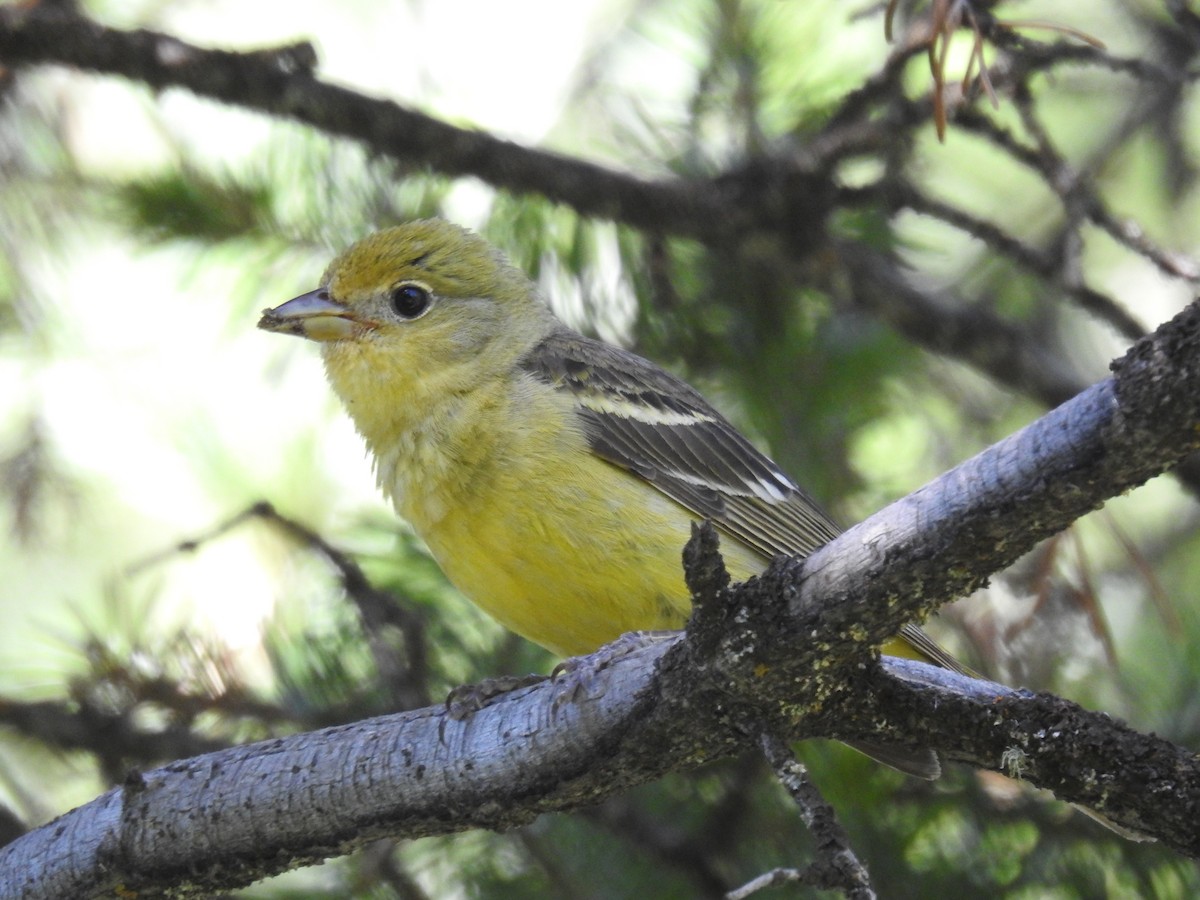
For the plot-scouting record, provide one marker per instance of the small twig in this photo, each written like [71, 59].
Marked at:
[192, 544]
[407, 678]
[1087, 600]
[1046, 162]
[1081, 202]
[1048, 266]
[1158, 594]
[836, 867]
[1038, 56]
[774, 878]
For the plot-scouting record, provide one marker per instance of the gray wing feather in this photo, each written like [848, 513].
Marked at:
[689, 451]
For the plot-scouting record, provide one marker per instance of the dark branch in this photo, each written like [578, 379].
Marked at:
[271, 82]
[402, 663]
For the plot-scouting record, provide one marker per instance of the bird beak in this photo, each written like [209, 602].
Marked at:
[314, 316]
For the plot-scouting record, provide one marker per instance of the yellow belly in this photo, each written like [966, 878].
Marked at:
[578, 568]
[574, 568]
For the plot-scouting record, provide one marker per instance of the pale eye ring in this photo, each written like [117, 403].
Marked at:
[410, 300]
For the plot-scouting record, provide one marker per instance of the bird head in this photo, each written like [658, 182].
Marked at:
[422, 300]
[429, 272]
[413, 317]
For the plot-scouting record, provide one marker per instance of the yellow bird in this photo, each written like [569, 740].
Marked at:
[553, 477]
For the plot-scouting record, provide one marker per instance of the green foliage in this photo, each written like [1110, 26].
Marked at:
[186, 205]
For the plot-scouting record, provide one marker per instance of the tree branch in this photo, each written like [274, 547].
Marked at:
[282, 84]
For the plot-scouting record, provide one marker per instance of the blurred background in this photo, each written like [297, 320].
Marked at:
[141, 233]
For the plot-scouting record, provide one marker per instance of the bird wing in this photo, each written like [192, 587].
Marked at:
[647, 421]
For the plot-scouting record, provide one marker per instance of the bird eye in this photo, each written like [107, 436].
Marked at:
[410, 300]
